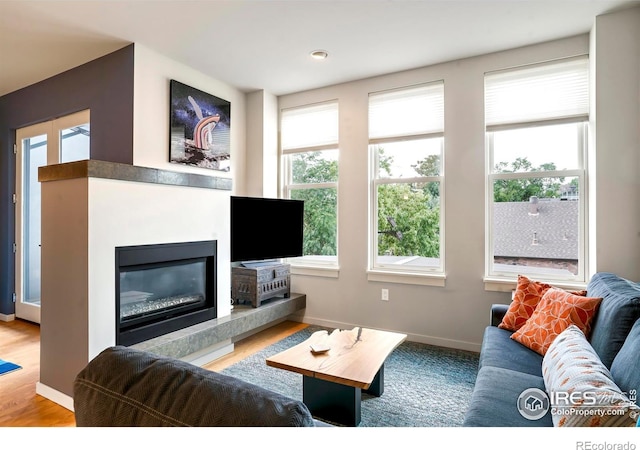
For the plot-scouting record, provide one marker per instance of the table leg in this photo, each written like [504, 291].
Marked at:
[376, 388]
[332, 401]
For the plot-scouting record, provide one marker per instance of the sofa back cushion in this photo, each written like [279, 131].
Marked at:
[625, 368]
[618, 311]
[125, 387]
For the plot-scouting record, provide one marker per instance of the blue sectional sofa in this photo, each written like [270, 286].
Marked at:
[508, 368]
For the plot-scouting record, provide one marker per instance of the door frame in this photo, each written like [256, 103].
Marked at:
[51, 129]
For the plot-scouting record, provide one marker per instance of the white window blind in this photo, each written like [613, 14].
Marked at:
[406, 112]
[558, 90]
[310, 126]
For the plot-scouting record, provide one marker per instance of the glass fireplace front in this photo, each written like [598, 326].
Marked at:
[162, 288]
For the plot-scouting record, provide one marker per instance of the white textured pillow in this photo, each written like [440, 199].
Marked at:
[582, 392]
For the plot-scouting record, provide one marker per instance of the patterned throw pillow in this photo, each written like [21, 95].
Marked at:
[583, 393]
[556, 311]
[525, 300]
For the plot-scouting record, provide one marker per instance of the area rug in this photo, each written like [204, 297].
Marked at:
[6, 367]
[424, 385]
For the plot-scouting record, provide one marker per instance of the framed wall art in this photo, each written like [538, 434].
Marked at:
[199, 129]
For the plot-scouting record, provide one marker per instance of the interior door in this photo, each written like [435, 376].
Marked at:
[62, 140]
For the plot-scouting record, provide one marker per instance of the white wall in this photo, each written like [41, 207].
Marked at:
[65, 284]
[456, 315]
[122, 214]
[152, 74]
[262, 145]
[616, 83]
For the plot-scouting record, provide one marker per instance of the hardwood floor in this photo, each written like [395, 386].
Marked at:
[20, 406]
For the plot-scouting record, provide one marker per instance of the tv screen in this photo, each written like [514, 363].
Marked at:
[265, 228]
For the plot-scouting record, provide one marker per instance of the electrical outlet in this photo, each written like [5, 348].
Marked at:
[385, 295]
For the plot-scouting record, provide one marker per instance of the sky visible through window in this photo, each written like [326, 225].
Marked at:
[540, 145]
[406, 154]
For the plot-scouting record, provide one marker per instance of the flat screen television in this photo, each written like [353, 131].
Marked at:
[266, 228]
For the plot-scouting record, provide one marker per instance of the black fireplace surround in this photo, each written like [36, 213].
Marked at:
[163, 288]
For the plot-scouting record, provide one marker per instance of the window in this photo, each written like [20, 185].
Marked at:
[309, 141]
[536, 125]
[406, 141]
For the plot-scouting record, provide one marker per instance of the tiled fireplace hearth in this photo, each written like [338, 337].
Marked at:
[192, 343]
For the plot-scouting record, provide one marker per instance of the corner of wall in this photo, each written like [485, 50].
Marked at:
[615, 43]
[261, 165]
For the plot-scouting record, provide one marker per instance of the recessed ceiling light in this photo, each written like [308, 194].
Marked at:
[319, 54]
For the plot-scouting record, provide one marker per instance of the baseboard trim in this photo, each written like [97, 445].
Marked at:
[7, 317]
[55, 396]
[448, 343]
[422, 339]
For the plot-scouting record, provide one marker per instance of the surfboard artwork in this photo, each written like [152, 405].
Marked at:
[200, 128]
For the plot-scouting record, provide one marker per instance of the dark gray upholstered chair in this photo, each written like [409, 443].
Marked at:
[125, 387]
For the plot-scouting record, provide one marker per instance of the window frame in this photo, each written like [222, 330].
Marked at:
[389, 272]
[311, 264]
[497, 277]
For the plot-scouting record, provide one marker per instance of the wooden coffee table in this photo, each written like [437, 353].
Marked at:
[333, 381]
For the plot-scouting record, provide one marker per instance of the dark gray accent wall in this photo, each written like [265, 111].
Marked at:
[105, 87]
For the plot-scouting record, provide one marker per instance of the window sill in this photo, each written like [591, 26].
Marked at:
[423, 279]
[496, 284]
[499, 285]
[315, 271]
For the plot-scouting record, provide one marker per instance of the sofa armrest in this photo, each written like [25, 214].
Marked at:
[497, 313]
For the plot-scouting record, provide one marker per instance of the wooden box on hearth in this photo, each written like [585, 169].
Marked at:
[257, 284]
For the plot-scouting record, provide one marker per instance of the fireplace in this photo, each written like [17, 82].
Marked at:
[163, 288]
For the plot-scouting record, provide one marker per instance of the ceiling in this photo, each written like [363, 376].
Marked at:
[265, 44]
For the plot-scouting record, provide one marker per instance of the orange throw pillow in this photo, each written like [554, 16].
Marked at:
[525, 300]
[557, 310]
